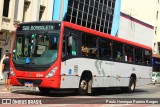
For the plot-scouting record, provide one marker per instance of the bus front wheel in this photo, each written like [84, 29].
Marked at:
[83, 86]
[132, 85]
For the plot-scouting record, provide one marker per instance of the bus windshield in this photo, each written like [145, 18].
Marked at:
[35, 48]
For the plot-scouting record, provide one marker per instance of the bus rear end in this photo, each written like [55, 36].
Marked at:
[36, 55]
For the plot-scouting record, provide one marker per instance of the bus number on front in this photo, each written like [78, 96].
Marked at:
[39, 75]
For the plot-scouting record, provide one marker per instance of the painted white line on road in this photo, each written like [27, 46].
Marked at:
[5, 92]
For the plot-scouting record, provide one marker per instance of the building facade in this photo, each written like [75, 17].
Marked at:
[141, 24]
[135, 30]
[100, 15]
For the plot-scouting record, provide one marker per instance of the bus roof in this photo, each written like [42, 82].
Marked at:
[94, 32]
[91, 31]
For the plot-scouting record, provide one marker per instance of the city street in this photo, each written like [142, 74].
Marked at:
[70, 98]
[83, 44]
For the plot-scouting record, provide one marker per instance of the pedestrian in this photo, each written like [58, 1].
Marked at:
[1, 73]
[1, 62]
[6, 70]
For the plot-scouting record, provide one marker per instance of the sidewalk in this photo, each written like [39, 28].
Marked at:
[1, 82]
[2, 89]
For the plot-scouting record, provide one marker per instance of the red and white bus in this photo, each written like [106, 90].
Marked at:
[62, 55]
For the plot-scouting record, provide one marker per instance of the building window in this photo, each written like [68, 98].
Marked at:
[155, 30]
[94, 14]
[6, 8]
[16, 9]
[157, 15]
[26, 6]
[41, 11]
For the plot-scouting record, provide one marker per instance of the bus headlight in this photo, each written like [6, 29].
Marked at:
[51, 73]
[12, 72]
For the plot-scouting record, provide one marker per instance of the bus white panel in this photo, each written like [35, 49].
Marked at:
[106, 81]
[69, 82]
[118, 72]
[97, 82]
[116, 81]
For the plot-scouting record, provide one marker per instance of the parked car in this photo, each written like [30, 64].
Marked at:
[155, 77]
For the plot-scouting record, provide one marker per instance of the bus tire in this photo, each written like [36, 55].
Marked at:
[83, 86]
[44, 91]
[124, 89]
[132, 85]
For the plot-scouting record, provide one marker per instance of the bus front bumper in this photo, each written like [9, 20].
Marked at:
[36, 82]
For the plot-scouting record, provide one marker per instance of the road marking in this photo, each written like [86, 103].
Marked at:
[5, 92]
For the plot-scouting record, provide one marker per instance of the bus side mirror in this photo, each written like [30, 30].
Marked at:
[70, 40]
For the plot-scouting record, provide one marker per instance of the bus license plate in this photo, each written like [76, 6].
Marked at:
[28, 84]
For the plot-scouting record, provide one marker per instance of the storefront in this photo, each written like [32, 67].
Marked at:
[5, 42]
[156, 63]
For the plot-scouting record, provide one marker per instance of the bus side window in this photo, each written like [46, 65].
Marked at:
[138, 56]
[119, 56]
[147, 57]
[74, 47]
[105, 46]
[129, 53]
[89, 45]
[117, 51]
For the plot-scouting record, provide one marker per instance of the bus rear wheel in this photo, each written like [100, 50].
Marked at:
[83, 86]
[44, 90]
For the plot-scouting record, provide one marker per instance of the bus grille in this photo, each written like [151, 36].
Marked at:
[35, 82]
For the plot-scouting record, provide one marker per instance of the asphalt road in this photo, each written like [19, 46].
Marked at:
[147, 91]
[69, 97]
